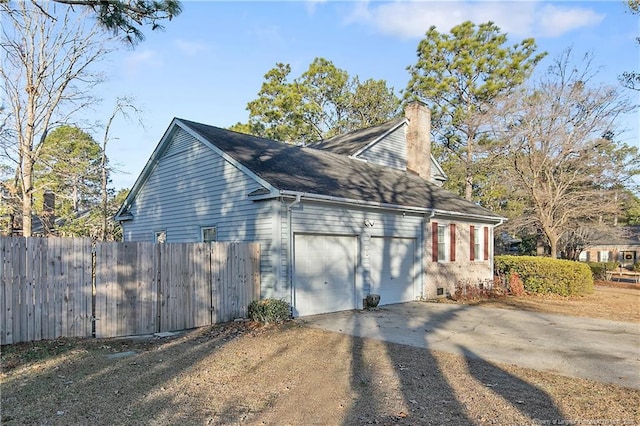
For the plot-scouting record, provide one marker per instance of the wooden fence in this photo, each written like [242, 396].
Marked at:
[65, 287]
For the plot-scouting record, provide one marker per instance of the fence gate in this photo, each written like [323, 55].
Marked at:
[144, 288]
[126, 289]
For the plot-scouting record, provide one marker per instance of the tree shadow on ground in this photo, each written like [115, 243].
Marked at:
[435, 388]
[530, 400]
[122, 381]
[407, 400]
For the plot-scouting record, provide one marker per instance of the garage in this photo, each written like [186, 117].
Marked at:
[393, 268]
[324, 273]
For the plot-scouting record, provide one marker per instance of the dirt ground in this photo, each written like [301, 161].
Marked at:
[243, 373]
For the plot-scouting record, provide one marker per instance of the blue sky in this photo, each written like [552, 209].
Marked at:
[211, 60]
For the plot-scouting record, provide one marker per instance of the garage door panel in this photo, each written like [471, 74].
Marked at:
[324, 279]
[392, 264]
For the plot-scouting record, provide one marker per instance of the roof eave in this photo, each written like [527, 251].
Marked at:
[386, 206]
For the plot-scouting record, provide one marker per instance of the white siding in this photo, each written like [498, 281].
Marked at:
[390, 151]
[191, 187]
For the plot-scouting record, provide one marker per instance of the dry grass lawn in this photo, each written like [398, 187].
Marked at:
[241, 373]
[616, 302]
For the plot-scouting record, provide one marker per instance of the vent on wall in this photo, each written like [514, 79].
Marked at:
[440, 291]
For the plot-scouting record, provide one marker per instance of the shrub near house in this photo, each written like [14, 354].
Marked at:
[599, 269]
[544, 275]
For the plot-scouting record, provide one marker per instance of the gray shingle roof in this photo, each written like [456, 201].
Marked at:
[313, 171]
[621, 236]
[352, 142]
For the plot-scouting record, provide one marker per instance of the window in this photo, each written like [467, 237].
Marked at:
[160, 237]
[604, 256]
[442, 242]
[478, 243]
[472, 243]
[208, 234]
[485, 249]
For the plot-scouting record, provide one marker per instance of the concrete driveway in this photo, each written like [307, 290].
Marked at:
[602, 350]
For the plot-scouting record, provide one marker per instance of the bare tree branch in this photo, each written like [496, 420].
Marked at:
[47, 73]
[560, 157]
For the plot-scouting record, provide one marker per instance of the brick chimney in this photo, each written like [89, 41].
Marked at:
[418, 139]
[48, 211]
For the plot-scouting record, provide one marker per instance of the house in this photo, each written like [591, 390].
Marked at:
[622, 247]
[358, 214]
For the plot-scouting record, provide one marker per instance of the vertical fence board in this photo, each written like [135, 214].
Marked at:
[182, 292]
[20, 328]
[100, 284]
[164, 272]
[52, 293]
[255, 270]
[3, 303]
[6, 293]
[70, 284]
[59, 272]
[223, 265]
[106, 273]
[214, 264]
[87, 289]
[147, 287]
[37, 278]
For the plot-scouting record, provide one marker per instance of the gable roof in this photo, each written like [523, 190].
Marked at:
[620, 236]
[355, 142]
[320, 174]
[352, 142]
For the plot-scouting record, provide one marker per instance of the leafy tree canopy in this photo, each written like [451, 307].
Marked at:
[127, 16]
[324, 101]
[70, 168]
[460, 75]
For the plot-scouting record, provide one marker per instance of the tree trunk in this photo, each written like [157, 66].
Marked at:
[468, 182]
[26, 216]
[103, 190]
[553, 243]
[27, 197]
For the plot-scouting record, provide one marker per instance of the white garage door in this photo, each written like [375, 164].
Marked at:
[324, 273]
[392, 263]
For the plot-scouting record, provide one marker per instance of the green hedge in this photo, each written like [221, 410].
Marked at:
[544, 275]
[269, 311]
[599, 269]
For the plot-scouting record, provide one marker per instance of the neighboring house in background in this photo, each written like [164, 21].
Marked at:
[44, 225]
[358, 214]
[624, 249]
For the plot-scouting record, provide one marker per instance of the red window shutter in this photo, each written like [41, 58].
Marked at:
[486, 243]
[452, 247]
[434, 241]
[472, 245]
